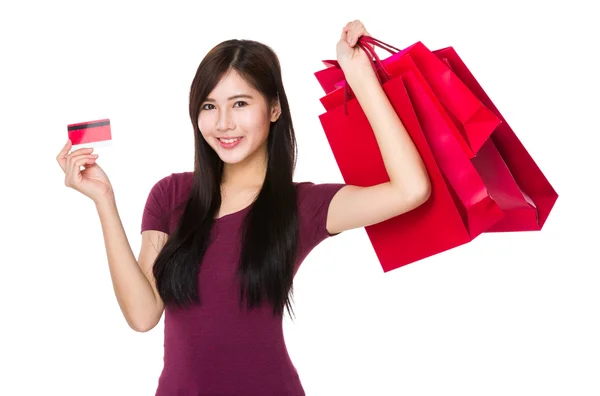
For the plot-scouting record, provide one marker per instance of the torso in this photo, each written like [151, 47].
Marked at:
[214, 346]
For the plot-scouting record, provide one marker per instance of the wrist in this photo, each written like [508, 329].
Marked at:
[105, 203]
[354, 71]
[361, 77]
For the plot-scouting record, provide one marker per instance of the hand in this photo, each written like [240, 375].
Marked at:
[350, 55]
[91, 181]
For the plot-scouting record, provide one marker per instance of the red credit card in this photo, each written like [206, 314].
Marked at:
[86, 133]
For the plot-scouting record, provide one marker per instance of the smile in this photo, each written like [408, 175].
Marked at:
[229, 142]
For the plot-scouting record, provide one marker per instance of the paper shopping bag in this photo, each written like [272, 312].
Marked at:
[478, 209]
[474, 121]
[452, 216]
[472, 199]
[431, 228]
[513, 178]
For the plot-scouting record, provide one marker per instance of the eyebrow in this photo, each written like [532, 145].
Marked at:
[244, 96]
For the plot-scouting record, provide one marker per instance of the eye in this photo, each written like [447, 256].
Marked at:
[205, 107]
[242, 103]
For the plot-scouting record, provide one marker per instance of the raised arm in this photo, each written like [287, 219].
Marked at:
[409, 184]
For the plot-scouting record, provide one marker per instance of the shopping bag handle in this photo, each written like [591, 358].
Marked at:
[376, 61]
[388, 47]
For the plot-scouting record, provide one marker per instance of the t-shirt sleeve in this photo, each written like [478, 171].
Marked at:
[157, 209]
[313, 203]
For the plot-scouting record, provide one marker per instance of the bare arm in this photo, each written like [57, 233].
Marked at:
[409, 185]
[133, 281]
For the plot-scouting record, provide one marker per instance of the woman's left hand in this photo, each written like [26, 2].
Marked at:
[349, 55]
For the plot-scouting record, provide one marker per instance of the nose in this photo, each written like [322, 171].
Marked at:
[225, 121]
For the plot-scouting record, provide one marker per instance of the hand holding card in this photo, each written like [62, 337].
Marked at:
[91, 181]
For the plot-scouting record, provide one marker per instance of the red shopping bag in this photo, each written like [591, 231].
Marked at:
[431, 228]
[476, 207]
[512, 176]
[331, 77]
[444, 221]
[474, 120]
[399, 66]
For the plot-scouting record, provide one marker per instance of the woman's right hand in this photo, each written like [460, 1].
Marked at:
[92, 181]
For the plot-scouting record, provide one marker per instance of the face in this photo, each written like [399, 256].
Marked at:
[235, 119]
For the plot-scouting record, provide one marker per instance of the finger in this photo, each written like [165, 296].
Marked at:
[348, 27]
[360, 31]
[61, 158]
[344, 34]
[349, 32]
[85, 150]
[71, 161]
[77, 153]
[352, 36]
[345, 31]
[74, 170]
[364, 33]
[76, 166]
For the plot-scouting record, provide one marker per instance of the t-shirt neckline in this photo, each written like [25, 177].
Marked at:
[233, 214]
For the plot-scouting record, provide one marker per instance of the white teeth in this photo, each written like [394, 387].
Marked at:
[229, 140]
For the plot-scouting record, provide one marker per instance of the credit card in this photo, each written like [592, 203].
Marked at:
[90, 134]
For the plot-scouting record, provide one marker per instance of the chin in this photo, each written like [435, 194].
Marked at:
[232, 158]
[231, 161]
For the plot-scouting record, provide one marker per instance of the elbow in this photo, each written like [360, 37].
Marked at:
[142, 326]
[413, 197]
[425, 192]
[140, 329]
[421, 194]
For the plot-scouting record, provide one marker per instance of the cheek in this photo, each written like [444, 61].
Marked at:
[205, 126]
[255, 123]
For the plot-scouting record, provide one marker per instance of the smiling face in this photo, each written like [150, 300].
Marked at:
[235, 119]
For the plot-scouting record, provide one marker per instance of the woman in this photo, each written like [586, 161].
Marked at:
[221, 244]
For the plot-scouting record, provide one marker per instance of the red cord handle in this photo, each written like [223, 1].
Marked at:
[365, 42]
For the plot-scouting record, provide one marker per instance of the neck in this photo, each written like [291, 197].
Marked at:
[247, 174]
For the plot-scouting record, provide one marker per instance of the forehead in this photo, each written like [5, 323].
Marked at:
[231, 84]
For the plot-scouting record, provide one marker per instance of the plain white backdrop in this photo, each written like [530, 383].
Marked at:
[507, 314]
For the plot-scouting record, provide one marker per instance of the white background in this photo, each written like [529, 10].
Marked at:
[508, 314]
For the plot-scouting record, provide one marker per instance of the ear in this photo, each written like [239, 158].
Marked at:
[275, 110]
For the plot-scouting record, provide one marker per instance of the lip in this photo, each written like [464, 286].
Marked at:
[230, 145]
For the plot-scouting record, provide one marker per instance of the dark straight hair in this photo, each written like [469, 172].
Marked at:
[270, 230]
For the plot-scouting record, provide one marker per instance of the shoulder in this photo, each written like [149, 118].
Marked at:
[310, 194]
[313, 200]
[180, 183]
[167, 196]
[173, 188]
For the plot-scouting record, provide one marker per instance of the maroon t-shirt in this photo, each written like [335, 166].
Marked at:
[213, 348]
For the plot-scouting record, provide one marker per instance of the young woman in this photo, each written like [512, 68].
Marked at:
[221, 244]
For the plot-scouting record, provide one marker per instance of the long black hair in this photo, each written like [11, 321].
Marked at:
[270, 230]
